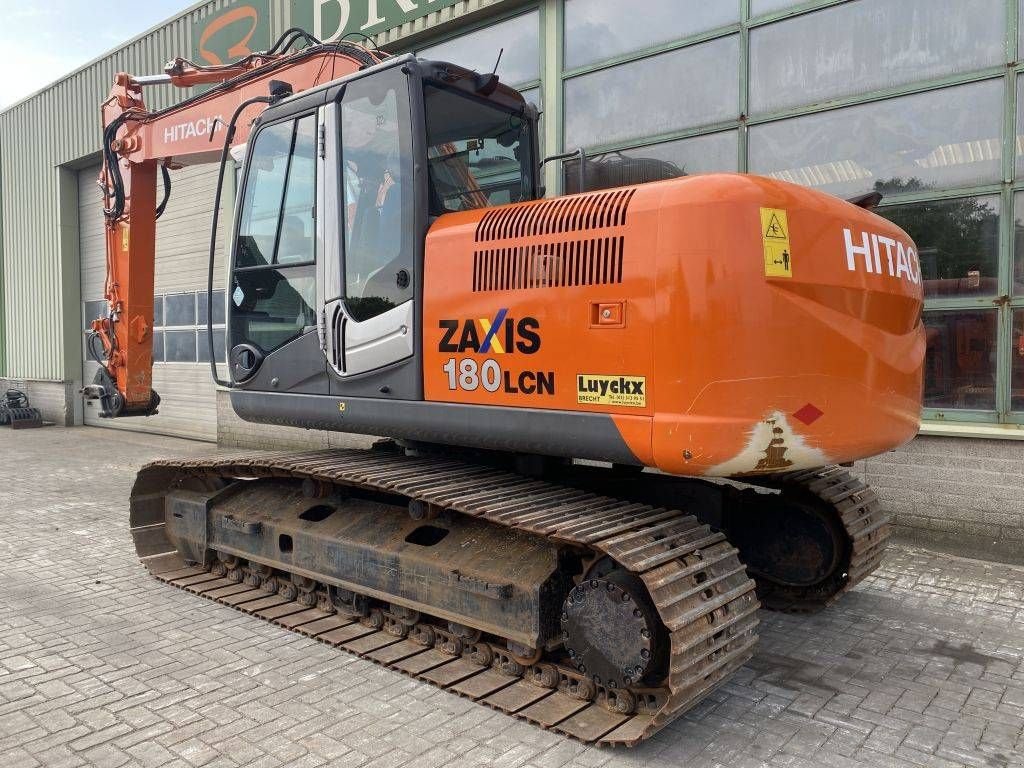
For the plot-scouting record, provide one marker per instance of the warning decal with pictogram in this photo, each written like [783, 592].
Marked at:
[778, 256]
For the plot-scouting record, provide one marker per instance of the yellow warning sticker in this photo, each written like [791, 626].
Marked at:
[778, 256]
[598, 389]
[124, 238]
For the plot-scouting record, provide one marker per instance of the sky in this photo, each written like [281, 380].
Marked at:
[42, 40]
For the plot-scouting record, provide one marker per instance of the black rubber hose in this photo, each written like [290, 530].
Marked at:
[288, 37]
[167, 191]
[228, 136]
[111, 160]
[94, 352]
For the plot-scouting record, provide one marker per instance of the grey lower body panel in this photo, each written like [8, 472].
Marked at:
[527, 430]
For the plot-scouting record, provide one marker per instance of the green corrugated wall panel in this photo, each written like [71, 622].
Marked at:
[61, 125]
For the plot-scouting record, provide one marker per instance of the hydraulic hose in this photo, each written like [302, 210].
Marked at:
[167, 191]
[229, 135]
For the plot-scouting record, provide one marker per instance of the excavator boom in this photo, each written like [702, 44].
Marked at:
[136, 143]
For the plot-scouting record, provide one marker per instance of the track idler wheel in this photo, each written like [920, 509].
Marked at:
[612, 632]
[789, 540]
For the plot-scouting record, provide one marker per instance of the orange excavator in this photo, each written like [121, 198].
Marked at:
[562, 381]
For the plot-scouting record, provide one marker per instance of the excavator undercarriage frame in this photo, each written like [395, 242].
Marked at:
[603, 618]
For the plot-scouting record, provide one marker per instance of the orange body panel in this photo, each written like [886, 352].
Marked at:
[727, 324]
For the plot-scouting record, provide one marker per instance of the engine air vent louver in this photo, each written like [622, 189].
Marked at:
[563, 214]
[553, 265]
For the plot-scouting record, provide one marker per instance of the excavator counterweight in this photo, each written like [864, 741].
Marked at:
[562, 382]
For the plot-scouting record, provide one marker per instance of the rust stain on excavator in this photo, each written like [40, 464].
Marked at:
[772, 446]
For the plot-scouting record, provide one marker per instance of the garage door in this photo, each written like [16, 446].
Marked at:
[181, 372]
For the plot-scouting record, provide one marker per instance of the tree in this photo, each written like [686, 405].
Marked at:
[953, 237]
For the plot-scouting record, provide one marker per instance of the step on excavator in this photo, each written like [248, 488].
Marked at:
[562, 384]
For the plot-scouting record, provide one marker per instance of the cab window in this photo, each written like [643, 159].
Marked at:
[478, 153]
[377, 194]
[274, 283]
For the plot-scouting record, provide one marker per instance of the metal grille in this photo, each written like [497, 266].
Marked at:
[597, 261]
[563, 214]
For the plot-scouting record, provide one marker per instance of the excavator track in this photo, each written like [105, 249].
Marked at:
[693, 577]
[864, 523]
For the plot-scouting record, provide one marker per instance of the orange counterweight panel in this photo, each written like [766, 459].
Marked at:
[782, 366]
[727, 324]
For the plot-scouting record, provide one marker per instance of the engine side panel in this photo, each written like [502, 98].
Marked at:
[521, 301]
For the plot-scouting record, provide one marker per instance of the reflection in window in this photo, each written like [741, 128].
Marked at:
[94, 310]
[1018, 244]
[218, 345]
[478, 154]
[264, 190]
[277, 218]
[535, 97]
[761, 7]
[597, 30]
[864, 46]
[272, 306]
[519, 37]
[700, 154]
[957, 242]
[1017, 356]
[1020, 120]
[273, 290]
[158, 311]
[298, 238]
[158, 346]
[378, 188]
[218, 307]
[180, 309]
[180, 346]
[960, 364]
[944, 138]
[673, 91]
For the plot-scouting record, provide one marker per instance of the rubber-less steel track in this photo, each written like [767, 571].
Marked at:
[696, 582]
[864, 522]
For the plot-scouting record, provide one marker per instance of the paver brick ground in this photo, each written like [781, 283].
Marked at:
[101, 665]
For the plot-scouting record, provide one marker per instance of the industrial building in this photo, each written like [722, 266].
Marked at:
[920, 100]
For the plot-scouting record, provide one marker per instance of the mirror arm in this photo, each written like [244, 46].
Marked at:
[579, 154]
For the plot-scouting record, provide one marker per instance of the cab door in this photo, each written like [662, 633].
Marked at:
[272, 295]
[370, 316]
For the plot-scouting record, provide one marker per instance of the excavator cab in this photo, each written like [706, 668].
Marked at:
[339, 187]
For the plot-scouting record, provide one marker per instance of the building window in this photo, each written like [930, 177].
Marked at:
[925, 141]
[517, 38]
[957, 244]
[653, 162]
[598, 30]
[960, 364]
[180, 346]
[864, 46]
[179, 309]
[1017, 366]
[179, 336]
[673, 91]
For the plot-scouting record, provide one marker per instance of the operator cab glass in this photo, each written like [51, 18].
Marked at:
[377, 194]
[274, 287]
[479, 153]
